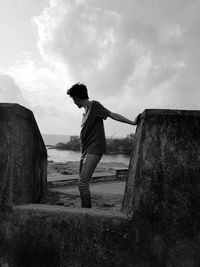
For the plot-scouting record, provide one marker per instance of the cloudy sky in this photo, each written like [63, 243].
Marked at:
[132, 55]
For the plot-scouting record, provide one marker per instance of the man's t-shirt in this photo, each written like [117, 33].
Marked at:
[92, 134]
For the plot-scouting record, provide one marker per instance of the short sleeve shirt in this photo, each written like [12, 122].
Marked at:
[92, 133]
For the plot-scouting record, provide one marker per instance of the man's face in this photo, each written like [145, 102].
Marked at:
[77, 102]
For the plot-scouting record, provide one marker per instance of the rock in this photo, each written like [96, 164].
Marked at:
[107, 205]
[66, 172]
[23, 157]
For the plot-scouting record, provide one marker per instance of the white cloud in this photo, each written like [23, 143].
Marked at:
[10, 91]
[44, 88]
[136, 50]
[131, 54]
[84, 39]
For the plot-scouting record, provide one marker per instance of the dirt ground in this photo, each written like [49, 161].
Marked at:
[105, 195]
[72, 167]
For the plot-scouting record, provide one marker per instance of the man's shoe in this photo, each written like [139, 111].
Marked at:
[87, 206]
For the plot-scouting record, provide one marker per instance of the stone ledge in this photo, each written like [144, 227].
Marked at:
[44, 235]
[60, 179]
[42, 209]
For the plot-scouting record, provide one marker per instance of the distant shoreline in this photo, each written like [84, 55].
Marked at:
[114, 145]
[70, 155]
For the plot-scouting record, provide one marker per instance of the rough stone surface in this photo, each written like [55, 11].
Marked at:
[164, 171]
[23, 157]
[161, 224]
[42, 235]
[162, 194]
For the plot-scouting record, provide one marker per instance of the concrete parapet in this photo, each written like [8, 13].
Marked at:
[23, 157]
[164, 170]
[42, 235]
[162, 194]
[160, 223]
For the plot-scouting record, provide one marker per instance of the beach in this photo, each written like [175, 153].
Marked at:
[106, 195]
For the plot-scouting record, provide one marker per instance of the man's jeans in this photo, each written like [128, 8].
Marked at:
[87, 166]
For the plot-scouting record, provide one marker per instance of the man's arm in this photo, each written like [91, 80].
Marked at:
[118, 117]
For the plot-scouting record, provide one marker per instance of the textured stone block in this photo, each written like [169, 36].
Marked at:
[23, 157]
[163, 184]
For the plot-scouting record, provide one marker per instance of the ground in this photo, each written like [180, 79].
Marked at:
[106, 195]
[72, 167]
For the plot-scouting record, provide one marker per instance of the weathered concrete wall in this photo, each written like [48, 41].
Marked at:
[164, 171]
[162, 226]
[162, 195]
[23, 157]
[42, 235]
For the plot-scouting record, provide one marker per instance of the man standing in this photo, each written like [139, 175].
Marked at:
[92, 136]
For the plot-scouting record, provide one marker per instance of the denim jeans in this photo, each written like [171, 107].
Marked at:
[88, 164]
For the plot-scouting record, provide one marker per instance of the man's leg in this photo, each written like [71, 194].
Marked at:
[87, 167]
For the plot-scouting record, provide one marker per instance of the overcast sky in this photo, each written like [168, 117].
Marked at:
[132, 55]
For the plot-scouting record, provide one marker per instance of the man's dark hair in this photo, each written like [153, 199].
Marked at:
[79, 91]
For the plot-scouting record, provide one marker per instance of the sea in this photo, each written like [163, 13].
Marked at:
[69, 155]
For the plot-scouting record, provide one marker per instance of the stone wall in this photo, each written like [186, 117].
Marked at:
[23, 157]
[164, 171]
[162, 195]
[160, 223]
[54, 236]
